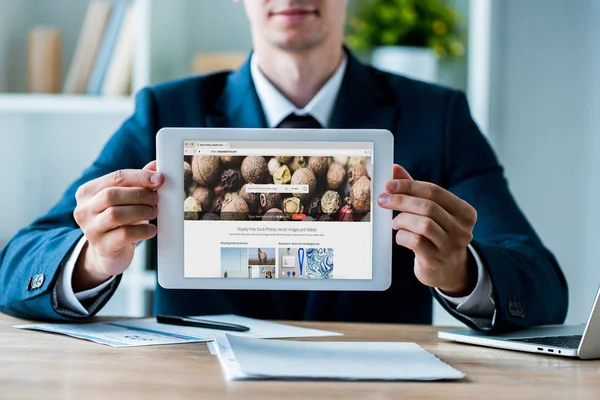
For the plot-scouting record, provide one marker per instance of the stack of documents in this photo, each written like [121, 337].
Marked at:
[247, 358]
[148, 332]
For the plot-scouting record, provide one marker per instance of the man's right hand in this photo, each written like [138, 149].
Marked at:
[113, 212]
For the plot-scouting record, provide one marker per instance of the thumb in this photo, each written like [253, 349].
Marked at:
[401, 173]
[151, 166]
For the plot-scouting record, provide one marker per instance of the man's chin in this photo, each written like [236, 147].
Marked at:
[298, 44]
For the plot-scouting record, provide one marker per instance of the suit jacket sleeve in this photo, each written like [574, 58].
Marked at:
[529, 287]
[43, 247]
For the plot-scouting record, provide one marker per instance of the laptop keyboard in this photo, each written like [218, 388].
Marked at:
[570, 342]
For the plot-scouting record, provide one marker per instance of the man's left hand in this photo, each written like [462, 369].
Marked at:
[438, 227]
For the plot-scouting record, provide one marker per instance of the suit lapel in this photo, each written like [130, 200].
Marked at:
[239, 105]
[362, 102]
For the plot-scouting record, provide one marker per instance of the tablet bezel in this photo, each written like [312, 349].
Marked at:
[169, 150]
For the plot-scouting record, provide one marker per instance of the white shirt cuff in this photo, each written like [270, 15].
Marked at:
[479, 303]
[67, 298]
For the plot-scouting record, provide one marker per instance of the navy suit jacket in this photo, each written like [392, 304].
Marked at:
[436, 140]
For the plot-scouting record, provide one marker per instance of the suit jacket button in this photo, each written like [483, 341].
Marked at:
[37, 281]
[512, 309]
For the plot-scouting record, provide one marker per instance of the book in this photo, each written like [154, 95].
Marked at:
[107, 46]
[88, 43]
[44, 60]
[117, 81]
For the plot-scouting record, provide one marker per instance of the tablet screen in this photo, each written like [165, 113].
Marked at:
[277, 210]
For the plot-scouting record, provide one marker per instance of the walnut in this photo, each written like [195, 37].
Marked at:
[336, 176]
[254, 169]
[205, 169]
[204, 196]
[252, 199]
[355, 172]
[305, 176]
[319, 165]
[234, 208]
[360, 195]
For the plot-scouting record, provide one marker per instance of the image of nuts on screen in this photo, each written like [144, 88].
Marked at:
[228, 188]
[234, 262]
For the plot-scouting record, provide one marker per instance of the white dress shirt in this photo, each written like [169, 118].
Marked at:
[478, 306]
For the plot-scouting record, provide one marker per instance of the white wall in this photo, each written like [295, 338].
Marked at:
[40, 157]
[545, 130]
[592, 232]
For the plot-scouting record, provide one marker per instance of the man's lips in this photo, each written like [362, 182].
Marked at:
[295, 13]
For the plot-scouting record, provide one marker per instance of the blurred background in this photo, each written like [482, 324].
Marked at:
[531, 69]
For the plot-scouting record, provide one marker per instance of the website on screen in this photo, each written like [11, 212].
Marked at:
[277, 210]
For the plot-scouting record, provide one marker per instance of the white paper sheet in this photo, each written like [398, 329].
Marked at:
[245, 358]
[148, 332]
[258, 328]
[116, 334]
[212, 348]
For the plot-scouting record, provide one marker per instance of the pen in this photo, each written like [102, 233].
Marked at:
[200, 323]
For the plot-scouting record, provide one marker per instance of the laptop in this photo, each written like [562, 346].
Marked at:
[581, 341]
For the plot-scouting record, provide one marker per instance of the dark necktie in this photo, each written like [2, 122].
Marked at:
[294, 121]
[291, 304]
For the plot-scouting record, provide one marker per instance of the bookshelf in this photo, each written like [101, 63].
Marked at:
[63, 104]
[168, 36]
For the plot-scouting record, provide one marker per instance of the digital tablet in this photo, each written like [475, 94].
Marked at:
[274, 209]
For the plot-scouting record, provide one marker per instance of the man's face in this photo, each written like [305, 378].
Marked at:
[296, 25]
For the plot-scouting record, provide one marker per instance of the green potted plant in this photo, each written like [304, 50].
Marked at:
[406, 36]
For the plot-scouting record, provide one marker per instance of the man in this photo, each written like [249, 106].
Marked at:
[459, 232]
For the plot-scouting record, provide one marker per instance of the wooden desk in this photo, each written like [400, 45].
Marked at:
[35, 365]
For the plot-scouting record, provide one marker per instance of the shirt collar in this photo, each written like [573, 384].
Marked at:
[277, 107]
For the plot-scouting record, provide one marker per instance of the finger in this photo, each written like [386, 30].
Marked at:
[116, 239]
[151, 166]
[423, 226]
[117, 216]
[415, 242]
[401, 173]
[418, 206]
[123, 178]
[425, 190]
[123, 196]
